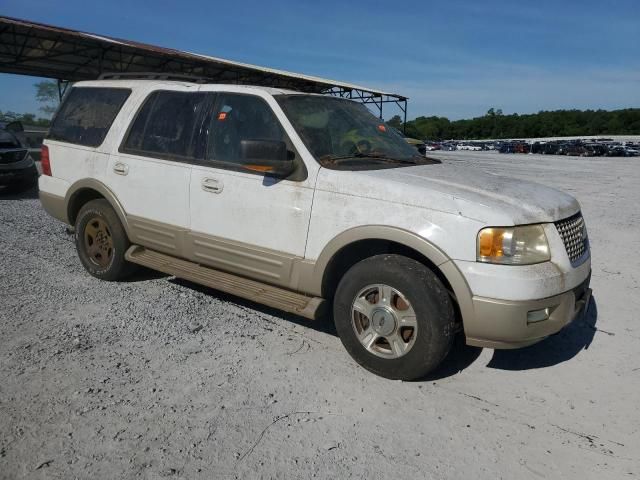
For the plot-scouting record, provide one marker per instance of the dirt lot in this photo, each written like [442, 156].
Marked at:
[157, 377]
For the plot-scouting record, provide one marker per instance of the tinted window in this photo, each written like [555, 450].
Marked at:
[167, 125]
[236, 118]
[87, 114]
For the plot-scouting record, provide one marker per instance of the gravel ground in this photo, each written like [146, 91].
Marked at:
[157, 377]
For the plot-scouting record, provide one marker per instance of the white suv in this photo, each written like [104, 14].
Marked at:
[297, 201]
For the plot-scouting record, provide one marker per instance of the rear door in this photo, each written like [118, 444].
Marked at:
[151, 170]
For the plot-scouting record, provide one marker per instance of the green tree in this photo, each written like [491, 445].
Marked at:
[47, 95]
[494, 124]
[395, 122]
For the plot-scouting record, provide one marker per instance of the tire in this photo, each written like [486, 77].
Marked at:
[392, 282]
[101, 242]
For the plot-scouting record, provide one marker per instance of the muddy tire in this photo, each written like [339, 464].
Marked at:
[101, 242]
[394, 317]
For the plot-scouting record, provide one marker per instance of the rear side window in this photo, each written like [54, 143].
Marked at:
[87, 114]
[168, 125]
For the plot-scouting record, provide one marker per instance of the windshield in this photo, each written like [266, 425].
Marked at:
[343, 134]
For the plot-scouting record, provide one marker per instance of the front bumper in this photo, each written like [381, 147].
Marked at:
[504, 306]
[515, 324]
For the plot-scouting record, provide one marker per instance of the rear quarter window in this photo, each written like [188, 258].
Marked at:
[85, 116]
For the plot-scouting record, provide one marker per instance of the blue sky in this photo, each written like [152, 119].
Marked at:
[452, 58]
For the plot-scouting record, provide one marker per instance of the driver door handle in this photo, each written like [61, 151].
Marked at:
[211, 185]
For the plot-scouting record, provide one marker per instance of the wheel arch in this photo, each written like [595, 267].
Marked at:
[356, 244]
[86, 190]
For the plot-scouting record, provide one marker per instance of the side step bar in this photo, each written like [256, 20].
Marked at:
[269, 295]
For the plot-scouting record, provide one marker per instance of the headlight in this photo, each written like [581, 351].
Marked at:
[513, 245]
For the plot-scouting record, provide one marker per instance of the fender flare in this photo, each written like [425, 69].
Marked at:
[370, 232]
[421, 245]
[102, 189]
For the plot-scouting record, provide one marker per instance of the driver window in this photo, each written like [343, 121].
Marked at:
[240, 117]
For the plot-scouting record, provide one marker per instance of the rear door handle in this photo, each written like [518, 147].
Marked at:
[211, 185]
[121, 168]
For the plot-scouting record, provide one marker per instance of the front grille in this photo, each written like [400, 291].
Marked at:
[574, 236]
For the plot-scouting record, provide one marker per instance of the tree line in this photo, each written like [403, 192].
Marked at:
[556, 123]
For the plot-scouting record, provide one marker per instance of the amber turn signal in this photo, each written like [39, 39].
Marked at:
[490, 241]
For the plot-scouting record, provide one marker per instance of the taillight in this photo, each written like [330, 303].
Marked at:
[44, 160]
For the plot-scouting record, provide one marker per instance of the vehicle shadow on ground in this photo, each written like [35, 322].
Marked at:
[556, 349]
[143, 274]
[323, 322]
[460, 356]
[30, 194]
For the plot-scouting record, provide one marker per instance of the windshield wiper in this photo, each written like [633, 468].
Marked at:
[333, 158]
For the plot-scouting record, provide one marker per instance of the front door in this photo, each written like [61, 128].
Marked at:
[247, 222]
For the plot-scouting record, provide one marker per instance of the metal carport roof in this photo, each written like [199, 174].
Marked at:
[29, 48]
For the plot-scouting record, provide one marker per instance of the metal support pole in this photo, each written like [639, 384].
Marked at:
[62, 87]
[404, 124]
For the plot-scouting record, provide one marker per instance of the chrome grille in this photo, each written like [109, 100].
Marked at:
[574, 236]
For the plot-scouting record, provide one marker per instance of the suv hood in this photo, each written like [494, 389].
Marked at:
[491, 199]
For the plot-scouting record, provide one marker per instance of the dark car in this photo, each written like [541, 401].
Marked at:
[18, 171]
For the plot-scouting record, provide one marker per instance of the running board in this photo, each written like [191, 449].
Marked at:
[269, 295]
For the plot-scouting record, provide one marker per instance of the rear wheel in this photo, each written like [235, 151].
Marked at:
[394, 317]
[101, 241]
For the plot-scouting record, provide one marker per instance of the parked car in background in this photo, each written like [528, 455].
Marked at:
[33, 138]
[18, 170]
[469, 147]
[414, 142]
[631, 152]
[575, 149]
[418, 144]
[617, 151]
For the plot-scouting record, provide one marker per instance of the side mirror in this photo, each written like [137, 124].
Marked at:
[14, 127]
[266, 156]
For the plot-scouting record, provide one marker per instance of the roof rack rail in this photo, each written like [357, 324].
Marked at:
[153, 76]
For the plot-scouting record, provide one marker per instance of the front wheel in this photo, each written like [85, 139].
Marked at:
[394, 316]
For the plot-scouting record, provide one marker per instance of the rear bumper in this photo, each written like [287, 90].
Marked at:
[515, 324]
[54, 205]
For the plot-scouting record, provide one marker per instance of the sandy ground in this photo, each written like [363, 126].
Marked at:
[157, 377]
